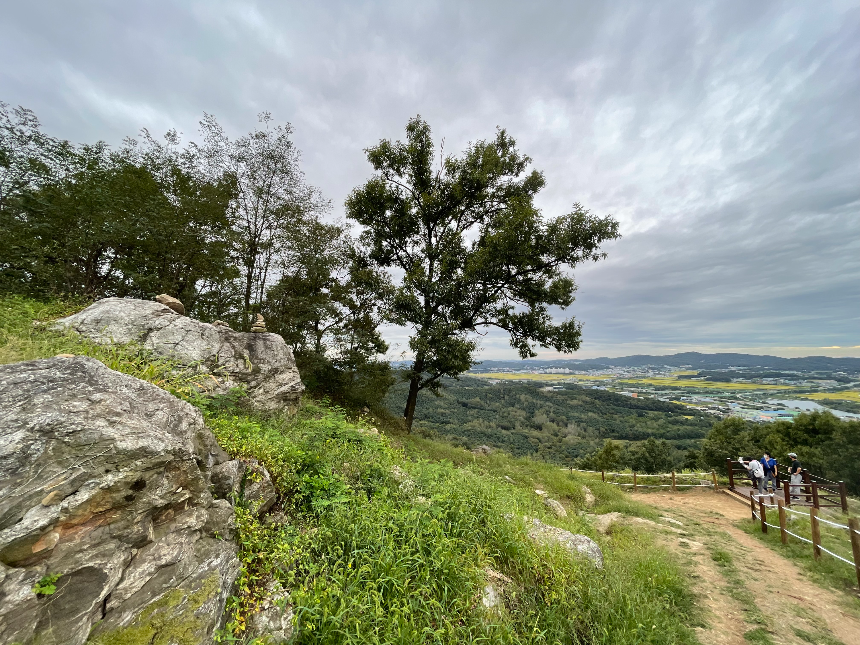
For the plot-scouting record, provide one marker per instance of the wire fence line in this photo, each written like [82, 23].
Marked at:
[838, 557]
[758, 506]
[820, 519]
[630, 474]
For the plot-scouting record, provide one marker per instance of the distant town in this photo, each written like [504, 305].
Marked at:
[755, 392]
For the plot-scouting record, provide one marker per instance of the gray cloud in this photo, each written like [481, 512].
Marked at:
[725, 136]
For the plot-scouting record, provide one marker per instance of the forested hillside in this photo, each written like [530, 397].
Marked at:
[557, 425]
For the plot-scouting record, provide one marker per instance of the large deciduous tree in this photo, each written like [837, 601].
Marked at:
[471, 250]
[270, 194]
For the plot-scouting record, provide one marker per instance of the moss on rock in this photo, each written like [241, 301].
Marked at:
[170, 620]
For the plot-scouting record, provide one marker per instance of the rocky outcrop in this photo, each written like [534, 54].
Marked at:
[105, 507]
[261, 363]
[573, 543]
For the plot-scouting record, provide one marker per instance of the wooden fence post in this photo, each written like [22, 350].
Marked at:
[731, 474]
[843, 494]
[782, 534]
[816, 532]
[752, 505]
[787, 492]
[854, 526]
[815, 501]
[603, 475]
[714, 477]
[808, 481]
[763, 512]
[634, 480]
[673, 481]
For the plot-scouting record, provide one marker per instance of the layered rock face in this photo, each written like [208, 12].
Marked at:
[260, 362]
[105, 495]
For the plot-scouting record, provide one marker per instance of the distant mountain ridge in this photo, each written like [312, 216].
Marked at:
[695, 360]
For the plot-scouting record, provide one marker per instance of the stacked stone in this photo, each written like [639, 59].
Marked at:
[260, 325]
[171, 302]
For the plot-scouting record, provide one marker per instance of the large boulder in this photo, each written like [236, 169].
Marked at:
[261, 363]
[105, 507]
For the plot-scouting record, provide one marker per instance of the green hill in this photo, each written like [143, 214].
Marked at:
[558, 425]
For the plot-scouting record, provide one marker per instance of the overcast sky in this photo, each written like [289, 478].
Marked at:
[724, 136]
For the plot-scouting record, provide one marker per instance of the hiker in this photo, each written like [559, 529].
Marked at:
[795, 472]
[770, 472]
[756, 471]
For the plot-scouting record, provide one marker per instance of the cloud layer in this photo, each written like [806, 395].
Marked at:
[725, 136]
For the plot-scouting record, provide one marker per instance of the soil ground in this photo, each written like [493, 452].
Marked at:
[791, 609]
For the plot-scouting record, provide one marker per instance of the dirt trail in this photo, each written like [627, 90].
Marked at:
[792, 610]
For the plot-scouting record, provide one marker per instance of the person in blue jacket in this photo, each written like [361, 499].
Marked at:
[771, 475]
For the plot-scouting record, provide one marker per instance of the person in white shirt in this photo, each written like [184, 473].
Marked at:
[756, 471]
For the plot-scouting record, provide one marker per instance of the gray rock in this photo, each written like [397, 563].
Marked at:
[482, 451]
[274, 618]
[492, 596]
[590, 500]
[572, 542]
[603, 522]
[260, 362]
[227, 479]
[247, 481]
[104, 482]
[258, 490]
[555, 506]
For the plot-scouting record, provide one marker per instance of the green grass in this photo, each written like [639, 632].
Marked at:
[737, 589]
[374, 559]
[758, 636]
[386, 540]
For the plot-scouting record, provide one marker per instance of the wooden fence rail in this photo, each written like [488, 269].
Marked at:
[817, 491]
[673, 477]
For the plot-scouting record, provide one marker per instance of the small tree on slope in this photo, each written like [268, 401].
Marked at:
[472, 249]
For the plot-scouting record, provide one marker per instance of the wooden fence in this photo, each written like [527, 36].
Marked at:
[815, 491]
[673, 480]
[759, 508]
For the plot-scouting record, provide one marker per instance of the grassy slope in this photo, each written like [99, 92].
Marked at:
[378, 554]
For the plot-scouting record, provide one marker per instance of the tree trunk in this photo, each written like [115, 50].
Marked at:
[411, 400]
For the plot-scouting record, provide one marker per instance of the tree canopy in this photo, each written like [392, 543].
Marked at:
[471, 250]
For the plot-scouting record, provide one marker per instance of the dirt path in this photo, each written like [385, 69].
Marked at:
[793, 610]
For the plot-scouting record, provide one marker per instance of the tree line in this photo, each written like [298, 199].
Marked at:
[228, 226]
[441, 244]
[826, 446]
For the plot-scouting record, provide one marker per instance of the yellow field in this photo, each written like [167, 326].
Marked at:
[712, 385]
[847, 395]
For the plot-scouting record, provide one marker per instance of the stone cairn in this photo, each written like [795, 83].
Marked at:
[171, 302]
[260, 325]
